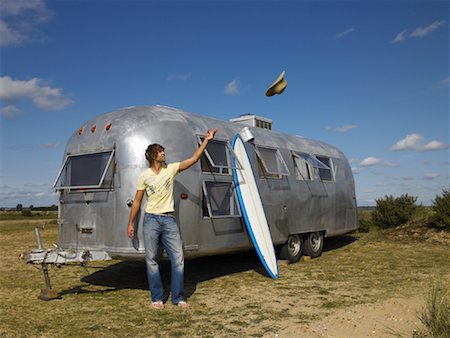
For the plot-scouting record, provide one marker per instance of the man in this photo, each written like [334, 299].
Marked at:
[158, 182]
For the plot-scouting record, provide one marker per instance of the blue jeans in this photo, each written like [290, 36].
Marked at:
[156, 226]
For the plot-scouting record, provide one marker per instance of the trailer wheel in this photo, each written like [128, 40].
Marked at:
[313, 244]
[292, 249]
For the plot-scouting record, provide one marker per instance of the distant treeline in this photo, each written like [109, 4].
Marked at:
[19, 207]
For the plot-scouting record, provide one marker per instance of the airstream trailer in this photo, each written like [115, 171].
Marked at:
[306, 186]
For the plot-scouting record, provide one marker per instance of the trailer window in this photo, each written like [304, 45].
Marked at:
[271, 162]
[320, 167]
[219, 199]
[216, 157]
[325, 171]
[86, 171]
[303, 168]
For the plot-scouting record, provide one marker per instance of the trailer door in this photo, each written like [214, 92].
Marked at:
[86, 186]
[221, 227]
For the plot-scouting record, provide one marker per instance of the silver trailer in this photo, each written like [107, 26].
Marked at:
[306, 187]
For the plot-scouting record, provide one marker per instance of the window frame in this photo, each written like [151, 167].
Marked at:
[280, 161]
[229, 154]
[316, 165]
[85, 188]
[234, 203]
[309, 167]
[329, 167]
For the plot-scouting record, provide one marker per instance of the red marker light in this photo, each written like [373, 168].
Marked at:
[80, 131]
[93, 128]
[108, 126]
[183, 196]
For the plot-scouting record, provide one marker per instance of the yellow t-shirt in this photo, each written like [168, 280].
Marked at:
[159, 188]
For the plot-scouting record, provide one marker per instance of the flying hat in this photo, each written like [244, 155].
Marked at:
[278, 86]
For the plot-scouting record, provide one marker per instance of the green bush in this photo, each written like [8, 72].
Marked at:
[394, 211]
[436, 313]
[441, 208]
[26, 212]
[364, 219]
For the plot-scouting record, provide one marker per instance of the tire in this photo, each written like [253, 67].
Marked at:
[313, 244]
[292, 249]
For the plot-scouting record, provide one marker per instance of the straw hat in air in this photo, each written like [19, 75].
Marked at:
[278, 86]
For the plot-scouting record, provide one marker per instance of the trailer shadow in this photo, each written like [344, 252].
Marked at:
[132, 274]
[334, 243]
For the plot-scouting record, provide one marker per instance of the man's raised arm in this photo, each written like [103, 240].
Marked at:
[186, 164]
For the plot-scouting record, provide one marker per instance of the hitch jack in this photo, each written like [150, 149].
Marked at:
[47, 293]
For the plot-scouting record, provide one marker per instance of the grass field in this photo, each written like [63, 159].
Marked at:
[27, 215]
[229, 295]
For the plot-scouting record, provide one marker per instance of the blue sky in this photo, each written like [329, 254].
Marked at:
[370, 77]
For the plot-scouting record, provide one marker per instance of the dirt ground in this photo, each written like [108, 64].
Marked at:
[395, 317]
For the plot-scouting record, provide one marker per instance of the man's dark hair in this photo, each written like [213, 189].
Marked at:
[152, 151]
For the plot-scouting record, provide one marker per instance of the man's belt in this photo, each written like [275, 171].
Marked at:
[170, 213]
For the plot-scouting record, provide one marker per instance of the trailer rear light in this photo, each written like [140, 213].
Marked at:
[184, 196]
[93, 128]
[80, 131]
[108, 126]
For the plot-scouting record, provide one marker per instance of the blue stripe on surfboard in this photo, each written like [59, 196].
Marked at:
[245, 215]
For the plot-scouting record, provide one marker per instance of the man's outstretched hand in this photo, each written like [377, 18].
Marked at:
[210, 134]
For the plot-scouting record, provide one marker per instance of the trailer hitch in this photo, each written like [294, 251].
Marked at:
[47, 293]
[58, 257]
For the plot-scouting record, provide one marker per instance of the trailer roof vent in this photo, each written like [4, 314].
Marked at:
[253, 121]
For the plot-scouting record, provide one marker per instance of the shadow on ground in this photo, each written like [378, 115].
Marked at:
[334, 243]
[132, 274]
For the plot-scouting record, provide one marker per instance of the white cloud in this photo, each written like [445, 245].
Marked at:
[28, 197]
[421, 32]
[443, 83]
[389, 164]
[19, 19]
[179, 77]
[367, 202]
[345, 128]
[342, 129]
[370, 161]
[232, 88]
[416, 142]
[356, 170]
[9, 36]
[10, 111]
[400, 37]
[42, 96]
[435, 145]
[410, 142]
[51, 145]
[344, 33]
[431, 176]
[35, 185]
[18, 7]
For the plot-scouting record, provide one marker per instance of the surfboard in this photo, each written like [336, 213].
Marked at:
[252, 208]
